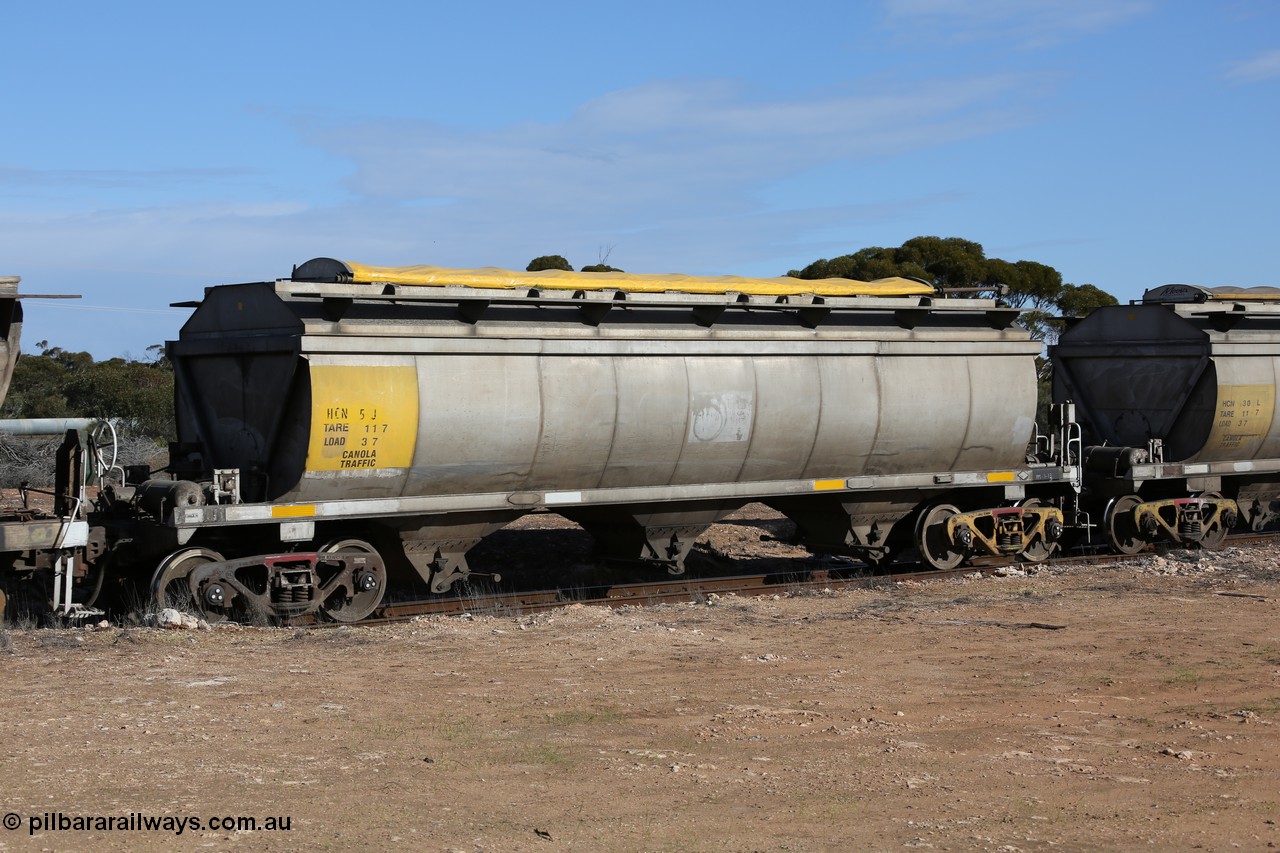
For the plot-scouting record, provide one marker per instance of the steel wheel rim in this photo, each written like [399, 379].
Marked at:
[1122, 533]
[931, 539]
[360, 604]
[1213, 539]
[170, 587]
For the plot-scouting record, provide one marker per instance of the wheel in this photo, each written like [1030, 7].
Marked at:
[1213, 538]
[170, 586]
[106, 447]
[360, 593]
[931, 538]
[1040, 549]
[1122, 534]
[86, 590]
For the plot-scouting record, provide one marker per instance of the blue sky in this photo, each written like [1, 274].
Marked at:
[152, 149]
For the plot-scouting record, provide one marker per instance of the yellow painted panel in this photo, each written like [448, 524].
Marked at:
[299, 511]
[1243, 417]
[1000, 477]
[362, 417]
[827, 485]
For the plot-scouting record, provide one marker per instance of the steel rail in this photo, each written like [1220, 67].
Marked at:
[699, 589]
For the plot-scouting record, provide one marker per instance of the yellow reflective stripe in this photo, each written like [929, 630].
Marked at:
[293, 511]
[827, 485]
[1000, 477]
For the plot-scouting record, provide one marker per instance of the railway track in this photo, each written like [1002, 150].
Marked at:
[699, 589]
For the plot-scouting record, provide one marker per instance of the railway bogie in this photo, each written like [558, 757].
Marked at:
[343, 581]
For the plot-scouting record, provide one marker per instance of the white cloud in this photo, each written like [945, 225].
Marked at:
[644, 138]
[1027, 25]
[692, 177]
[1264, 66]
[115, 178]
[669, 164]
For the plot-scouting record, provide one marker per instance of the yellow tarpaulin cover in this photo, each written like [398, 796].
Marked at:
[1201, 293]
[1236, 294]
[492, 277]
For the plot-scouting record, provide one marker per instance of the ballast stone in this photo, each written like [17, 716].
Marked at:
[175, 620]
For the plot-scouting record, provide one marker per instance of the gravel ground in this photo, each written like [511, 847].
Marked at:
[1102, 708]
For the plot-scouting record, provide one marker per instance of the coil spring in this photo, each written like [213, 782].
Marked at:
[1009, 540]
[292, 593]
[288, 595]
[1190, 529]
